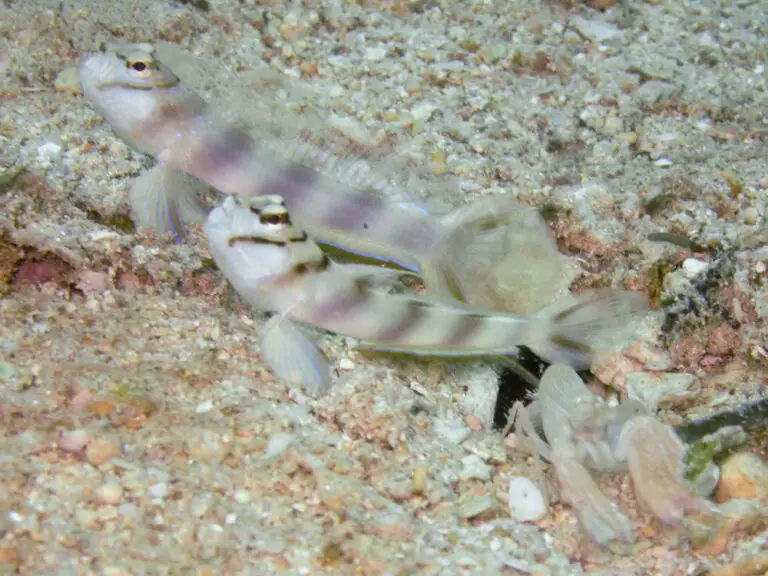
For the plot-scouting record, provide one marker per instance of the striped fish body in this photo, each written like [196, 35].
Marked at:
[149, 108]
[362, 222]
[276, 266]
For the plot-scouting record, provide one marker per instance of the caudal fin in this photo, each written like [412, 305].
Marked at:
[165, 199]
[575, 332]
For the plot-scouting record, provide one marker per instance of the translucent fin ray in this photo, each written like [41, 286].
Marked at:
[293, 357]
[163, 199]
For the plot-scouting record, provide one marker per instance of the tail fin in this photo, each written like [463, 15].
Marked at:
[602, 320]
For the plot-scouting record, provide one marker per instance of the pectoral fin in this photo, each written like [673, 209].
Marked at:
[293, 357]
[164, 199]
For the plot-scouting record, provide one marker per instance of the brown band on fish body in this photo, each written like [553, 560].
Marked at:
[399, 330]
[345, 304]
[304, 268]
[356, 212]
[292, 181]
[300, 174]
[224, 150]
[466, 327]
[300, 271]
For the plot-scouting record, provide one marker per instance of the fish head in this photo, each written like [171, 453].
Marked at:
[127, 86]
[261, 219]
[253, 237]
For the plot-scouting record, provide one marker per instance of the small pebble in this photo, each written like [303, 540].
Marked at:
[473, 505]
[346, 364]
[101, 450]
[473, 467]
[83, 400]
[74, 440]
[159, 490]
[109, 493]
[743, 476]
[594, 30]
[473, 422]
[652, 388]
[613, 126]
[107, 513]
[86, 518]
[242, 496]
[278, 443]
[419, 480]
[628, 137]
[115, 571]
[526, 503]
[92, 282]
[68, 80]
[723, 340]
[375, 53]
[48, 153]
[6, 371]
[751, 215]
[451, 428]
[200, 504]
[423, 110]
[692, 267]
[204, 407]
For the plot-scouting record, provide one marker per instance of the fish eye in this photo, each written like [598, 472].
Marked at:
[143, 68]
[273, 219]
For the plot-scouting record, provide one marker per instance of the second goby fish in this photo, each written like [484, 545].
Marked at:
[146, 105]
[276, 266]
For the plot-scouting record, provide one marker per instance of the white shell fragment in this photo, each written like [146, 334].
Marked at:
[693, 267]
[526, 502]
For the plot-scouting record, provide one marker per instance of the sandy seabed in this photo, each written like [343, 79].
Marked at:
[141, 433]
